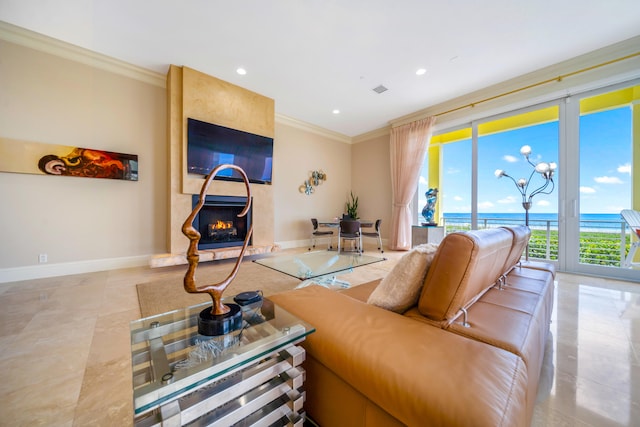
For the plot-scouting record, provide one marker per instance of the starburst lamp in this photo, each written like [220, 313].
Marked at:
[546, 172]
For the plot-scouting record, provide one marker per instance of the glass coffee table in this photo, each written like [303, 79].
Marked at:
[318, 267]
[252, 376]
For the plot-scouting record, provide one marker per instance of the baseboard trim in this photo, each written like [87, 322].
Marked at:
[41, 271]
[291, 244]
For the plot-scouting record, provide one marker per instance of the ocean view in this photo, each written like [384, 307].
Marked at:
[601, 222]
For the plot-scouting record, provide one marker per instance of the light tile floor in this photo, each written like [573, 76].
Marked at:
[65, 351]
[596, 354]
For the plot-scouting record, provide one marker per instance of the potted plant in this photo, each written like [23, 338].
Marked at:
[352, 207]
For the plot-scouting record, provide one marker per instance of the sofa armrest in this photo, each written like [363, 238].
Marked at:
[361, 292]
[414, 371]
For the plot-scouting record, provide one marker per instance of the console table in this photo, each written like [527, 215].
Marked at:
[426, 234]
[249, 376]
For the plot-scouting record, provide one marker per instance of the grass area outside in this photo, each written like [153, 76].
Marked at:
[596, 248]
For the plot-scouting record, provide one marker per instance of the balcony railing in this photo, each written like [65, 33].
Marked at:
[601, 242]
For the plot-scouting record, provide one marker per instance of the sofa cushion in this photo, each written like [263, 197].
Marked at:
[515, 318]
[465, 266]
[400, 289]
[537, 265]
[521, 236]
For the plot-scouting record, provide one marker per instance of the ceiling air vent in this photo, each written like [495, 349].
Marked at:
[380, 89]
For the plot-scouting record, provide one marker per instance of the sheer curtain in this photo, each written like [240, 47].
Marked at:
[408, 146]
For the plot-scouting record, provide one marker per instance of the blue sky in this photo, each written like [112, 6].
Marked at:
[605, 167]
[605, 158]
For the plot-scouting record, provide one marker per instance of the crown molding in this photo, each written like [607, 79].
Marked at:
[376, 133]
[40, 42]
[299, 124]
[594, 69]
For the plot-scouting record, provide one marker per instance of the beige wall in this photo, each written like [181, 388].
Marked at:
[296, 154]
[45, 98]
[362, 167]
[371, 180]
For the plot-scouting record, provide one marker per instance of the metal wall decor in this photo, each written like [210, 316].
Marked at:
[315, 179]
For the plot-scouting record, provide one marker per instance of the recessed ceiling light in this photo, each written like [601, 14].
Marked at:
[421, 71]
[241, 71]
[336, 111]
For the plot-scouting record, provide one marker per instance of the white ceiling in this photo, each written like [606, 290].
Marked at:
[314, 56]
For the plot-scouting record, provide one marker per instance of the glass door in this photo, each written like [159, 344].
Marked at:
[518, 175]
[599, 156]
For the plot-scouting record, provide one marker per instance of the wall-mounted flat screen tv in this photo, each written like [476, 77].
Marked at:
[210, 145]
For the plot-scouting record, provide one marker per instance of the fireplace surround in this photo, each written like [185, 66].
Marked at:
[218, 222]
[195, 94]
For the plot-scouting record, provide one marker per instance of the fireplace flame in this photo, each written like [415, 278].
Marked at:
[222, 225]
[222, 229]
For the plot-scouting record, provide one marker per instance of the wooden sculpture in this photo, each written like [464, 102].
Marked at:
[215, 290]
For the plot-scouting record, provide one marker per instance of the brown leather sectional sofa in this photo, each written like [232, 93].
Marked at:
[469, 352]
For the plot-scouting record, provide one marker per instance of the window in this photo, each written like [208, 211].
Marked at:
[604, 161]
[593, 140]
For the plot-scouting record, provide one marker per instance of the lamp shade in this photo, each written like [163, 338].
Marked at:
[525, 150]
[542, 167]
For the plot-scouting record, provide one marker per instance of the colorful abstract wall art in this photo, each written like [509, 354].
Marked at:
[63, 160]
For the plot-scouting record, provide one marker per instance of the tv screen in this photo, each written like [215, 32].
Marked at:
[210, 145]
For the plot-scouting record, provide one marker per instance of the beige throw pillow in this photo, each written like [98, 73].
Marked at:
[400, 289]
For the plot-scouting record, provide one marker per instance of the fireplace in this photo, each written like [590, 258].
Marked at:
[219, 224]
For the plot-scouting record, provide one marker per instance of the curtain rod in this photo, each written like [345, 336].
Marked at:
[544, 82]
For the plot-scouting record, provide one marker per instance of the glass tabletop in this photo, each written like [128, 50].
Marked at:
[171, 359]
[310, 265]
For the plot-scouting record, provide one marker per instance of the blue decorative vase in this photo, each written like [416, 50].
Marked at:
[429, 209]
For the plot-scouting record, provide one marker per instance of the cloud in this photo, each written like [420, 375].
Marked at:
[485, 205]
[626, 168]
[614, 209]
[510, 159]
[460, 209]
[458, 198]
[607, 180]
[423, 180]
[452, 171]
[543, 203]
[587, 190]
[508, 200]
